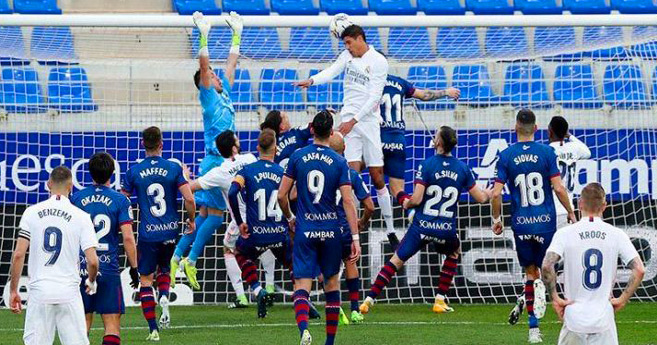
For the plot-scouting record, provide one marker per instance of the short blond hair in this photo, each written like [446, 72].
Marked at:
[593, 197]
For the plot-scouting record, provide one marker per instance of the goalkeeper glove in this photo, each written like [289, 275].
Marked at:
[203, 26]
[236, 25]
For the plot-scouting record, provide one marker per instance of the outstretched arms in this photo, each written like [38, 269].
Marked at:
[431, 95]
[236, 25]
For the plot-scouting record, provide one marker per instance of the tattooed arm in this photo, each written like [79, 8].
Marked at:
[550, 281]
[638, 270]
[430, 95]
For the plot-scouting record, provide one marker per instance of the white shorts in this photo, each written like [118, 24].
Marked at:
[364, 143]
[42, 320]
[609, 337]
[231, 235]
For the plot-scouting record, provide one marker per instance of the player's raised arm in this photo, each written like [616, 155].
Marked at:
[582, 151]
[203, 26]
[236, 25]
[431, 95]
[17, 262]
[327, 74]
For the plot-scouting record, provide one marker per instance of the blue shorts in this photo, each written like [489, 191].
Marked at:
[154, 255]
[346, 244]
[108, 298]
[445, 242]
[531, 248]
[282, 249]
[394, 154]
[210, 198]
[317, 251]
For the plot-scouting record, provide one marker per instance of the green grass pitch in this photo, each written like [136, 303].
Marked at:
[387, 324]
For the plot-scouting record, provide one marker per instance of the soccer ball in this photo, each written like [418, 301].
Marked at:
[339, 22]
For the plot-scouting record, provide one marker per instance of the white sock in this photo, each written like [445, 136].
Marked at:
[257, 290]
[440, 297]
[234, 273]
[386, 208]
[268, 262]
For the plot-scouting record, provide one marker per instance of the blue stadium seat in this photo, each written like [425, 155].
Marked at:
[430, 78]
[474, 83]
[53, 45]
[646, 50]
[409, 44]
[327, 95]
[241, 93]
[4, 7]
[277, 91]
[20, 91]
[489, 6]
[350, 7]
[311, 43]
[458, 43]
[218, 42]
[188, 7]
[294, 7]
[586, 6]
[634, 6]
[69, 90]
[654, 84]
[553, 39]
[372, 36]
[441, 7]
[599, 35]
[503, 42]
[36, 7]
[261, 43]
[574, 87]
[12, 46]
[538, 6]
[392, 7]
[246, 7]
[623, 87]
[525, 86]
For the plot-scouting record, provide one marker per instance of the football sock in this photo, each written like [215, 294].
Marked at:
[268, 262]
[249, 273]
[353, 285]
[332, 314]
[301, 308]
[446, 275]
[148, 306]
[204, 234]
[163, 284]
[111, 339]
[383, 196]
[234, 273]
[186, 241]
[529, 302]
[387, 272]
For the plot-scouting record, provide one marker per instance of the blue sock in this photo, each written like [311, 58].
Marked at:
[332, 314]
[203, 235]
[186, 240]
[353, 285]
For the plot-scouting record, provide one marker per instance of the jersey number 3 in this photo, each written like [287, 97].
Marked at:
[157, 192]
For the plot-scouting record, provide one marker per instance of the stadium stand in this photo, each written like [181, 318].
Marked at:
[246, 7]
[351, 7]
[311, 43]
[277, 91]
[441, 7]
[538, 6]
[11, 46]
[69, 90]
[623, 87]
[218, 42]
[502, 42]
[294, 7]
[242, 90]
[327, 95]
[458, 42]
[574, 87]
[647, 50]
[410, 44]
[548, 40]
[599, 35]
[4, 7]
[392, 7]
[634, 6]
[261, 43]
[430, 78]
[20, 91]
[188, 7]
[587, 6]
[52, 45]
[489, 6]
[525, 87]
[475, 85]
[36, 7]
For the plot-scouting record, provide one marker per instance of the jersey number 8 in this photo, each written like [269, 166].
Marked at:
[592, 262]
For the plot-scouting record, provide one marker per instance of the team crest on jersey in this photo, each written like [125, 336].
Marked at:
[367, 69]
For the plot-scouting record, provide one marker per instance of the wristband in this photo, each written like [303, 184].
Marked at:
[234, 49]
[497, 220]
[203, 52]
[355, 237]
[291, 218]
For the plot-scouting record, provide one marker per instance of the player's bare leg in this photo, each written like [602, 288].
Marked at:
[147, 297]
[89, 318]
[532, 273]
[112, 324]
[382, 280]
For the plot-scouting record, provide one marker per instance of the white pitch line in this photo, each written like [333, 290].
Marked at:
[376, 323]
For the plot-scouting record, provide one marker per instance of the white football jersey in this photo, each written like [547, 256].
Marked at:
[568, 153]
[364, 80]
[590, 249]
[57, 230]
[222, 176]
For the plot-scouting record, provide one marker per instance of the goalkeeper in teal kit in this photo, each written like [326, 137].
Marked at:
[218, 116]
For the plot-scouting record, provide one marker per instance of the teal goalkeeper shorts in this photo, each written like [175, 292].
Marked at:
[210, 198]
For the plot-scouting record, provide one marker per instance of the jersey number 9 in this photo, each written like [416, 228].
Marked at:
[316, 185]
[52, 243]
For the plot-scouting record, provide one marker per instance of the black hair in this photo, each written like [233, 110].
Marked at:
[273, 121]
[322, 124]
[353, 31]
[559, 127]
[225, 142]
[152, 137]
[527, 121]
[197, 78]
[448, 137]
[61, 175]
[101, 167]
